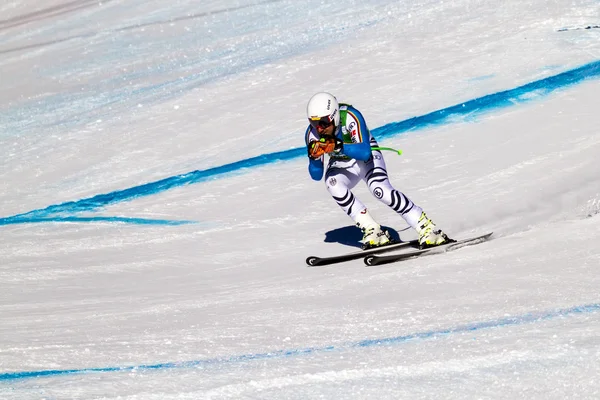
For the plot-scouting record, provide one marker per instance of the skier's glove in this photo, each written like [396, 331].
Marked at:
[317, 148]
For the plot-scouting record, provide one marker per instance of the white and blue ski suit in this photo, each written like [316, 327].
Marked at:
[358, 161]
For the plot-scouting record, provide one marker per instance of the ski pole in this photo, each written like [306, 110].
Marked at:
[399, 152]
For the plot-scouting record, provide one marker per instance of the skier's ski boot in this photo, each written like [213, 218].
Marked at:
[374, 236]
[429, 234]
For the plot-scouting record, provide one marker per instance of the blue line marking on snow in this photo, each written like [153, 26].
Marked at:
[102, 200]
[521, 94]
[528, 318]
[123, 220]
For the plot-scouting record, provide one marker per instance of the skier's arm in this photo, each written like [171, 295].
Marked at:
[356, 127]
[358, 151]
[315, 168]
[315, 165]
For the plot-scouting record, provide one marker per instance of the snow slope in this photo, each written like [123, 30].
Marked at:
[157, 210]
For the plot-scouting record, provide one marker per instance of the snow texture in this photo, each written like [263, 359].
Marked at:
[156, 208]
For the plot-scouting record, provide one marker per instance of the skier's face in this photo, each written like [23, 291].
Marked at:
[323, 125]
[325, 131]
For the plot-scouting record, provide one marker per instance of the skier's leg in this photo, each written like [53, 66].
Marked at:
[340, 178]
[375, 174]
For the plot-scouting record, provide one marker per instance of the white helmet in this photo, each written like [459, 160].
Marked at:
[323, 109]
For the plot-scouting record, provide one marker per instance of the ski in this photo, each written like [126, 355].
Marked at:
[314, 261]
[374, 259]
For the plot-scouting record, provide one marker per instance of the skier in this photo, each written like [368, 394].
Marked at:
[340, 131]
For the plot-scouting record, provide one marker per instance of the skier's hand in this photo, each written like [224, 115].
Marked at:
[317, 148]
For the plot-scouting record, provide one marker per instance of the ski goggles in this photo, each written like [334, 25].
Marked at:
[322, 122]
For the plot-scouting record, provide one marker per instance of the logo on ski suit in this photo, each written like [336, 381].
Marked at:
[378, 192]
